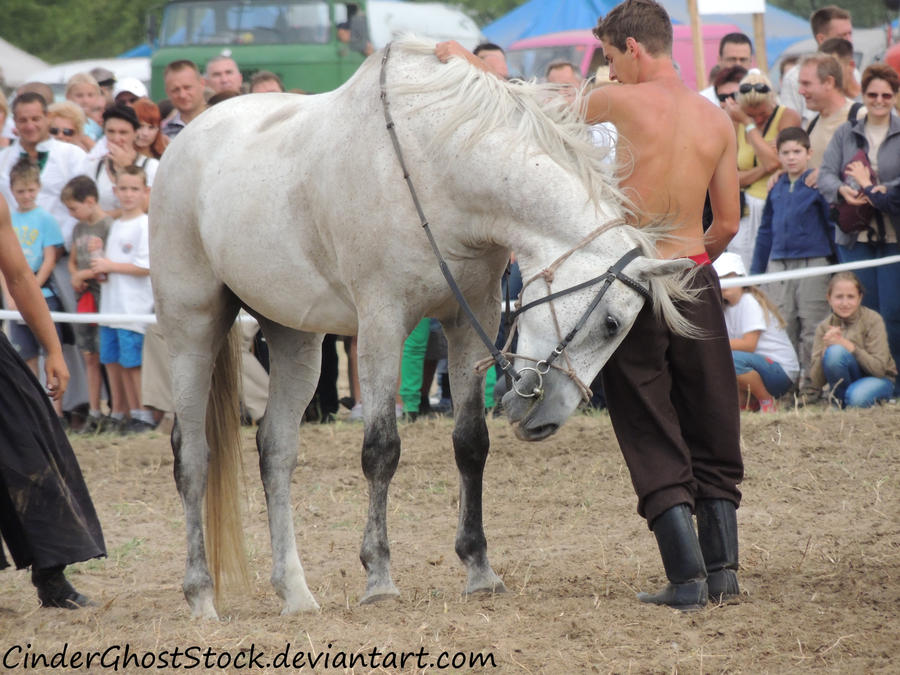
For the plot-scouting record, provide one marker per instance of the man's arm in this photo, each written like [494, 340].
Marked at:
[24, 289]
[724, 197]
[599, 105]
[447, 50]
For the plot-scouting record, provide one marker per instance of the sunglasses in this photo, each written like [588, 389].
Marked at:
[56, 131]
[874, 95]
[724, 97]
[758, 87]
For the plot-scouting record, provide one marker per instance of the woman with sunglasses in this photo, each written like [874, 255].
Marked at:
[877, 136]
[727, 82]
[758, 118]
[67, 122]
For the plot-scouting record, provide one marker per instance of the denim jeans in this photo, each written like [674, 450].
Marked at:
[852, 387]
[773, 376]
[881, 284]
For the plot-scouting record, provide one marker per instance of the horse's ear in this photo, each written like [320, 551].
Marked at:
[645, 268]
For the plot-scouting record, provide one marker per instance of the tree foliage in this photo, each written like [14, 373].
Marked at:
[64, 30]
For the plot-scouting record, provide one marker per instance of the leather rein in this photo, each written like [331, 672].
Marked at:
[542, 367]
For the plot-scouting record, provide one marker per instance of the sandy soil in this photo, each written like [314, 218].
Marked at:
[820, 558]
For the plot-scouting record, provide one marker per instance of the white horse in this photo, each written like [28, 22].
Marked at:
[295, 208]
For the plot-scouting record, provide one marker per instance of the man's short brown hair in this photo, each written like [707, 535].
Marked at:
[839, 48]
[644, 20]
[179, 65]
[820, 19]
[826, 66]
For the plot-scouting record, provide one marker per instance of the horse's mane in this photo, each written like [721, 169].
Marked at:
[541, 118]
[537, 114]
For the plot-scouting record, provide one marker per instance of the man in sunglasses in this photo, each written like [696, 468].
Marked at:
[735, 49]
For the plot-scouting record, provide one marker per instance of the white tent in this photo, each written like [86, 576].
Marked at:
[17, 65]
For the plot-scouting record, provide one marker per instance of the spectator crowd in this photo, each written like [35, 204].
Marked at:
[819, 171]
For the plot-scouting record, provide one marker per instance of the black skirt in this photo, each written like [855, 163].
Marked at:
[46, 514]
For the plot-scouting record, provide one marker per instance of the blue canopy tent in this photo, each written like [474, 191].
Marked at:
[139, 50]
[539, 17]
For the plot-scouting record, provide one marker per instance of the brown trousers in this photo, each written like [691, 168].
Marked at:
[674, 406]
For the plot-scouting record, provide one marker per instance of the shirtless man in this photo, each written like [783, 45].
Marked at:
[672, 399]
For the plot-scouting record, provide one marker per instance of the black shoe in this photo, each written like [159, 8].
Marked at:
[109, 424]
[682, 560]
[134, 426]
[91, 425]
[717, 530]
[54, 590]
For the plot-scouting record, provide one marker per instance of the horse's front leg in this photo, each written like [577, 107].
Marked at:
[295, 361]
[470, 446]
[379, 363]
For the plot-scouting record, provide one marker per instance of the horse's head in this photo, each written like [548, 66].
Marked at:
[553, 374]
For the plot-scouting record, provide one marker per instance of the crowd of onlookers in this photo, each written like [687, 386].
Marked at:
[819, 170]
[77, 175]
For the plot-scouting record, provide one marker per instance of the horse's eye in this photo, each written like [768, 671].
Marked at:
[612, 324]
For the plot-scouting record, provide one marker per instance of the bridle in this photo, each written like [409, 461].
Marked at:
[530, 386]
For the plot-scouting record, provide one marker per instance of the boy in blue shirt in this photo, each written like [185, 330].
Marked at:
[40, 238]
[796, 232]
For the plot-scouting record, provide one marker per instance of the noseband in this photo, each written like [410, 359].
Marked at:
[526, 386]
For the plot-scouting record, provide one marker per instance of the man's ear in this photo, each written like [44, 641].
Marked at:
[632, 45]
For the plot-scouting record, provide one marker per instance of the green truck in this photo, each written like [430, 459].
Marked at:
[313, 45]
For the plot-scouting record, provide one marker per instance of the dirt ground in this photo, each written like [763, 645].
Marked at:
[820, 560]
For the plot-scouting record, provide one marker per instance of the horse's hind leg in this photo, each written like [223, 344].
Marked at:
[470, 446]
[380, 454]
[295, 359]
[193, 344]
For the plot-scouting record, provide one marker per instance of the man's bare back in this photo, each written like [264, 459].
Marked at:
[680, 146]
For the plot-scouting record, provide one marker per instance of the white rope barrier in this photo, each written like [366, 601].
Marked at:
[753, 280]
[105, 319]
[757, 279]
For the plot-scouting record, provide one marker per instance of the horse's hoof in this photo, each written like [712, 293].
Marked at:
[495, 587]
[379, 593]
[307, 605]
[202, 607]
[204, 612]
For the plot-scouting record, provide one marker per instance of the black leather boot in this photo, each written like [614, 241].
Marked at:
[54, 590]
[682, 559]
[717, 529]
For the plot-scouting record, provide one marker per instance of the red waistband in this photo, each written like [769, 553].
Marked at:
[700, 258]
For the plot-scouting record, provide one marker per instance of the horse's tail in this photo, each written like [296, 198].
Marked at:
[225, 544]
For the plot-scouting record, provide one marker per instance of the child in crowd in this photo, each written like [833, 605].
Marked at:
[796, 233]
[764, 359]
[88, 241]
[41, 240]
[126, 291]
[851, 348]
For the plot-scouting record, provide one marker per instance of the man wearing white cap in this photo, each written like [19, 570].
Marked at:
[128, 90]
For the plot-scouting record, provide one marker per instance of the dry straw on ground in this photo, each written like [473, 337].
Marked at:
[820, 556]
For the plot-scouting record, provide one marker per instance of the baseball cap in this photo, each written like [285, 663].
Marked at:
[730, 263]
[130, 84]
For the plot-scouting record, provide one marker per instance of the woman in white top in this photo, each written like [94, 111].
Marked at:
[764, 358]
[120, 126]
